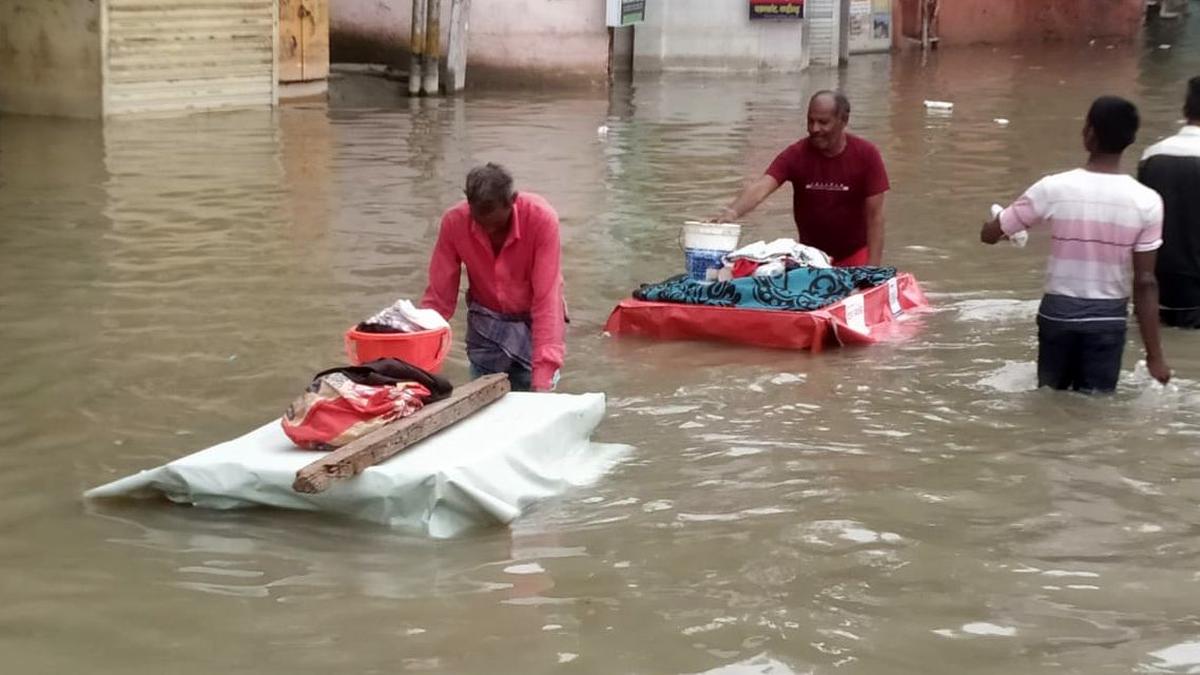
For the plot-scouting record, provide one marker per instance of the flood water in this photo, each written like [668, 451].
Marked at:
[915, 507]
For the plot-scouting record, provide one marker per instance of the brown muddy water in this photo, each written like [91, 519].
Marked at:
[916, 507]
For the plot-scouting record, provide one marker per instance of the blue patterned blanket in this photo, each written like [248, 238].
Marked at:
[802, 289]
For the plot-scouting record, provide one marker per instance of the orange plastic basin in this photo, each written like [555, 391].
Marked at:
[425, 349]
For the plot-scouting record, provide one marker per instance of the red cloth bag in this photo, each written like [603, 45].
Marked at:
[336, 410]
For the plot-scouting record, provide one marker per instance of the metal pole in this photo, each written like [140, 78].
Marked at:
[433, 47]
[417, 47]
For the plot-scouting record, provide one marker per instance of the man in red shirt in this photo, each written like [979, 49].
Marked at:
[510, 247]
[838, 182]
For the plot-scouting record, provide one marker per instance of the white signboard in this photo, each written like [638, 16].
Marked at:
[870, 27]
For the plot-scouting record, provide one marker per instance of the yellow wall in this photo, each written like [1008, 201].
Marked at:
[50, 57]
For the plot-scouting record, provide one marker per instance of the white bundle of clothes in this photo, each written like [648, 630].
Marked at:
[405, 317]
[762, 259]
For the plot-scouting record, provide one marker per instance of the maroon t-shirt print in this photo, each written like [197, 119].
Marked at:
[829, 194]
[828, 187]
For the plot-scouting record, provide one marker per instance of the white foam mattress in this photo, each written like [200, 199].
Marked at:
[484, 471]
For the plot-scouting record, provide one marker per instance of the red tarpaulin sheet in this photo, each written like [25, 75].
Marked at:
[858, 319]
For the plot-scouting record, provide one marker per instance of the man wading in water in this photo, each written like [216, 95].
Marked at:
[1106, 228]
[1172, 169]
[509, 245]
[838, 184]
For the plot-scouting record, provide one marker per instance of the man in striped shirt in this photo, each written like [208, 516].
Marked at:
[1105, 228]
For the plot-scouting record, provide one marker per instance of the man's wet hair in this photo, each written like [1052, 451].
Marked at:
[841, 104]
[1191, 107]
[490, 184]
[1115, 122]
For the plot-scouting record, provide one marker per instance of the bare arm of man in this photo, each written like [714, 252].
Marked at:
[875, 224]
[1145, 305]
[752, 195]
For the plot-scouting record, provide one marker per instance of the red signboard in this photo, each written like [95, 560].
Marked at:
[776, 9]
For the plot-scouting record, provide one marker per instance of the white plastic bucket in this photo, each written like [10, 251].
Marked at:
[704, 244]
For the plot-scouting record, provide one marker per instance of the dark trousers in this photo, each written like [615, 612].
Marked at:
[1180, 318]
[519, 377]
[1080, 357]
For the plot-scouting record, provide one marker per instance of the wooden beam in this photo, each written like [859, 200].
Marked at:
[379, 445]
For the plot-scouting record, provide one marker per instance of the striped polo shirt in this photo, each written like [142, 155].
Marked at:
[1096, 221]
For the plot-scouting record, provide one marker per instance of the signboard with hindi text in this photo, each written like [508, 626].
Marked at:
[625, 12]
[776, 9]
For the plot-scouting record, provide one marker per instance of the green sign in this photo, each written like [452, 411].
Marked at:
[626, 12]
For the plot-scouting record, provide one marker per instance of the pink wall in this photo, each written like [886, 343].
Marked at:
[537, 40]
[964, 22]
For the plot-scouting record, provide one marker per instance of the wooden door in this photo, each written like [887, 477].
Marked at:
[303, 40]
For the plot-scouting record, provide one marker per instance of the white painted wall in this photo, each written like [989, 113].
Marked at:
[538, 39]
[719, 36]
[50, 57]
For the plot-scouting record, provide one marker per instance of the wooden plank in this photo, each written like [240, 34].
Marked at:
[355, 457]
[316, 39]
[183, 89]
[167, 61]
[191, 14]
[174, 5]
[174, 76]
[168, 103]
[291, 40]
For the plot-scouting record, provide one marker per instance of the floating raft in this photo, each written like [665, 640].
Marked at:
[862, 318]
[482, 471]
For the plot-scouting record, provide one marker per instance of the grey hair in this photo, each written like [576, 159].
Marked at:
[841, 104]
[490, 184]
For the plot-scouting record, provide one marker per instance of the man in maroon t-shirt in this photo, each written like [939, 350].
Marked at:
[838, 181]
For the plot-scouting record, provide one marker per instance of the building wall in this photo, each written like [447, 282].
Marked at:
[540, 40]
[964, 22]
[719, 36]
[50, 57]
